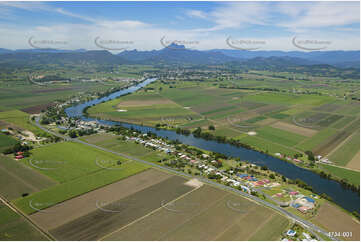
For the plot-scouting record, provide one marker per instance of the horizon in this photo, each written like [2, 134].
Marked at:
[118, 26]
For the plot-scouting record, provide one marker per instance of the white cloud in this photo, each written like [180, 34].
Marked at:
[196, 14]
[320, 14]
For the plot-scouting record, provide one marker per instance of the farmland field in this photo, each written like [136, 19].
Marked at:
[331, 217]
[344, 154]
[6, 141]
[284, 122]
[125, 210]
[280, 136]
[349, 175]
[205, 214]
[15, 228]
[78, 172]
[61, 163]
[23, 179]
[20, 120]
[84, 204]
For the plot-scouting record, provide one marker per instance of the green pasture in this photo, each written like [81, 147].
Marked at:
[76, 187]
[67, 161]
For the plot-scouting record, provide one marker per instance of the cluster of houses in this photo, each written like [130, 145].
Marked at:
[153, 143]
[318, 158]
[287, 158]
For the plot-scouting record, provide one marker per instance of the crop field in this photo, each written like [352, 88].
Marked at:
[100, 222]
[148, 109]
[349, 175]
[343, 122]
[344, 154]
[267, 146]
[331, 217]
[15, 228]
[336, 139]
[205, 214]
[20, 120]
[279, 136]
[78, 172]
[6, 141]
[129, 148]
[355, 162]
[284, 122]
[294, 129]
[64, 191]
[61, 163]
[89, 202]
[316, 139]
[23, 179]
[32, 98]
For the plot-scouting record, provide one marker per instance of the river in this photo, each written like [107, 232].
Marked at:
[346, 198]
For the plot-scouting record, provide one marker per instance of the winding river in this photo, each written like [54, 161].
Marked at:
[347, 199]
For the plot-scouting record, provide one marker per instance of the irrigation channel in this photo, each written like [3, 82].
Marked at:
[346, 198]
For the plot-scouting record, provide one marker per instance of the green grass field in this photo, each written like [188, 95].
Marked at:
[316, 139]
[347, 151]
[15, 228]
[23, 179]
[6, 141]
[19, 119]
[267, 146]
[280, 136]
[68, 160]
[159, 110]
[76, 187]
[349, 175]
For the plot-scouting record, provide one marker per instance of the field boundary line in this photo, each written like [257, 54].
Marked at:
[264, 222]
[231, 225]
[20, 179]
[31, 222]
[214, 203]
[155, 210]
[342, 143]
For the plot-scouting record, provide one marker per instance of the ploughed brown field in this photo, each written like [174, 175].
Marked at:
[154, 205]
[206, 214]
[37, 108]
[110, 216]
[69, 210]
[334, 220]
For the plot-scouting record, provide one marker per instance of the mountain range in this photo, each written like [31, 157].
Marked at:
[178, 54]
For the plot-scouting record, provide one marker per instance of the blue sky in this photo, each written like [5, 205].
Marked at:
[198, 25]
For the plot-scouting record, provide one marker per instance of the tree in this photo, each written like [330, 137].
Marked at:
[310, 155]
[211, 127]
[72, 134]
[272, 176]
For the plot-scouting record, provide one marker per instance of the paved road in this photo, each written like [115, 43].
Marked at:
[292, 216]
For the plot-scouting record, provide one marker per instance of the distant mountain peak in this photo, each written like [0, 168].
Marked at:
[176, 46]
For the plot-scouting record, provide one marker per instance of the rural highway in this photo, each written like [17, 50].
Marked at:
[289, 215]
